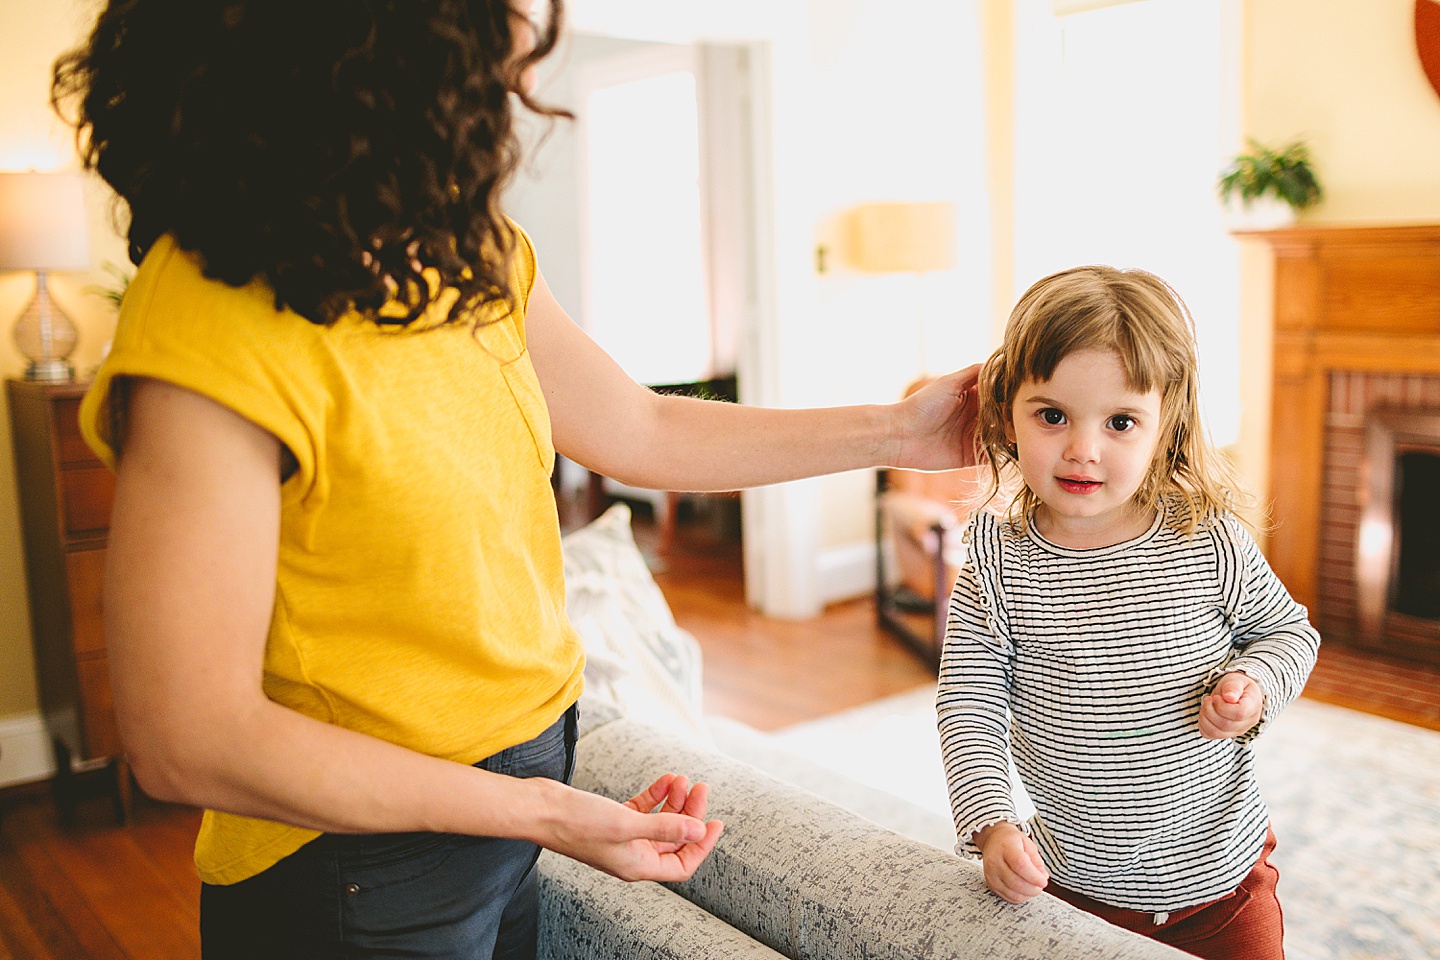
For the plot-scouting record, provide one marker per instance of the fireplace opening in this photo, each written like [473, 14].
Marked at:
[1397, 544]
[1417, 575]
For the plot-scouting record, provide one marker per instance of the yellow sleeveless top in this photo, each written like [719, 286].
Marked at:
[419, 587]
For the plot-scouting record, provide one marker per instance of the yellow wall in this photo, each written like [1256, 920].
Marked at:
[32, 35]
[1346, 77]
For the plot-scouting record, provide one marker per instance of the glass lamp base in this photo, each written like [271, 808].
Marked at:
[50, 371]
[45, 336]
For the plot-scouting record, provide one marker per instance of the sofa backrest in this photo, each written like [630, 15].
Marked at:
[816, 882]
[586, 914]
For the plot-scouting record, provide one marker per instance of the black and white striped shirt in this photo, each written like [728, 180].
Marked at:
[1087, 666]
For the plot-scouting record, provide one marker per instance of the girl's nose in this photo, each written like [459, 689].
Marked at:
[1083, 447]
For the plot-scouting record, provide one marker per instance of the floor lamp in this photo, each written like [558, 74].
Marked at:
[42, 228]
[916, 238]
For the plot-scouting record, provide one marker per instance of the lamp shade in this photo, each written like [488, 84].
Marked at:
[42, 222]
[895, 237]
[1063, 8]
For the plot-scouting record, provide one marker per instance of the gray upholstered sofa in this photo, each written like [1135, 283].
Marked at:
[811, 866]
[795, 875]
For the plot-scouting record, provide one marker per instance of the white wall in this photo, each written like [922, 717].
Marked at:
[1123, 117]
[895, 100]
[899, 116]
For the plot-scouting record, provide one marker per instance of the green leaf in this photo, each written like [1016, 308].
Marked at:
[1287, 174]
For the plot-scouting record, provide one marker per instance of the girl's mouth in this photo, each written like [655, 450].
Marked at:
[1078, 486]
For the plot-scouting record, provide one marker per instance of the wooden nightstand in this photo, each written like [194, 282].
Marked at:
[65, 497]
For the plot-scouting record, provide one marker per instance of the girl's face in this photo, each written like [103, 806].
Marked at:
[1085, 441]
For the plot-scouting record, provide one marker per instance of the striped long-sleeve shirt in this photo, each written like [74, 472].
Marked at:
[1087, 667]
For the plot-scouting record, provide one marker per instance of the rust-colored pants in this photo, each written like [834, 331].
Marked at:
[1243, 925]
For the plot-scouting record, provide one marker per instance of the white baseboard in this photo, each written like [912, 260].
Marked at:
[846, 572]
[25, 753]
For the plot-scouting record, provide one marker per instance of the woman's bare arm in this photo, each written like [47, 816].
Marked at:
[603, 419]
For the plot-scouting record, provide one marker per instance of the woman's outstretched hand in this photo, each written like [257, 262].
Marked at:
[659, 834]
[935, 426]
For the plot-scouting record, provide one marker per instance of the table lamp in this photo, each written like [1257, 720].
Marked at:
[42, 228]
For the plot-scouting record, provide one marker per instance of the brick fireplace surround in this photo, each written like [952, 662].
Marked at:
[1361, 403]
[1357, 337]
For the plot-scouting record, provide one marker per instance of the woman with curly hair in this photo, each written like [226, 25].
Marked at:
[334, 597]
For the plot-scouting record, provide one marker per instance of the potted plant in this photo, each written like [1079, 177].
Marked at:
[114, 293]
[1265, 188]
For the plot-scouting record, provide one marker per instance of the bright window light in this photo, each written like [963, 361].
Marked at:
[1124, 116]
[647, 304]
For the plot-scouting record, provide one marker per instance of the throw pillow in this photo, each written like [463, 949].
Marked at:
[639, 663]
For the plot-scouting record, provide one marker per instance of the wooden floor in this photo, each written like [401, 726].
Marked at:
[1398, 689]
[93, 890]
[766, 672]
[772, 673]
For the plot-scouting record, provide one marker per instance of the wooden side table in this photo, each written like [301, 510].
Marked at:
[65, 497]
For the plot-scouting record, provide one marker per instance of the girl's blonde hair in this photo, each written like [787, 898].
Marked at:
[1144, 321]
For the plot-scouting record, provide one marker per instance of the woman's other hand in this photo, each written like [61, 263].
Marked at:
[659, 834]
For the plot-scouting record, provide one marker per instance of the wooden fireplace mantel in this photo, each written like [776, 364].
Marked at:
[1347, 298]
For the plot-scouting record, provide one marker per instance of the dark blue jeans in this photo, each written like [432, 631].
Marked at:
[394, 894]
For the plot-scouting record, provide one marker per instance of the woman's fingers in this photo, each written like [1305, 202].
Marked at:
[674, 828]
[681, 812]
[697, 801]
[676, 796]
[653, 795]
[691, 855]
[680, 799]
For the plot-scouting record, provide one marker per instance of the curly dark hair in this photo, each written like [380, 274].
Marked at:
[336, 149]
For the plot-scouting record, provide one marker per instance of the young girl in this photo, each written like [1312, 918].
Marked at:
[1118, 634]
[335, 608]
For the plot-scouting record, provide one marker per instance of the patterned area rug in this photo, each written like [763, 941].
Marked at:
[1355, 801]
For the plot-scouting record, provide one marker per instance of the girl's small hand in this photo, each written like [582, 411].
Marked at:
[935, 428]
[1232, 708]
[1013, 868]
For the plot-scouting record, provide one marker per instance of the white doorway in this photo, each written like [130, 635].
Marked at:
[644, 217]
[644, 214]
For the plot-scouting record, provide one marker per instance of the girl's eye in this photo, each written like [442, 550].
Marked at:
[1052, 416]
[1122, 422]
